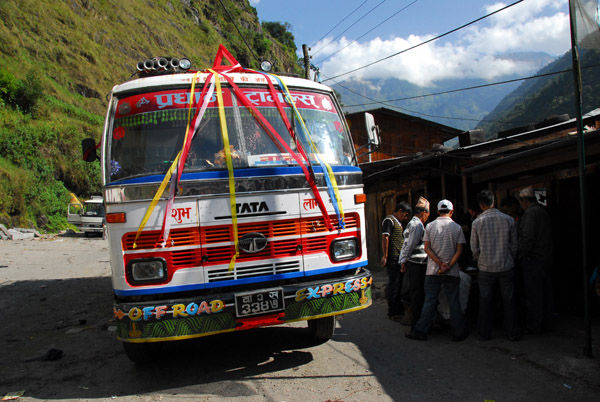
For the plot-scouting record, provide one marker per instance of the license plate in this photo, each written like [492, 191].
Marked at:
[255, 303]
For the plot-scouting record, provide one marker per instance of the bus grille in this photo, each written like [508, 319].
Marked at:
[251, 271]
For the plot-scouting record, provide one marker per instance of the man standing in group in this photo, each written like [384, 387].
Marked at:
[535, 258]
[391, 244]
[413, 260]
[494, 246]
[444, 241]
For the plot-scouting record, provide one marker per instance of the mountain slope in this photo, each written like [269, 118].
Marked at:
[60, 58]
[538, 99]
[461, 110]
[441, 103]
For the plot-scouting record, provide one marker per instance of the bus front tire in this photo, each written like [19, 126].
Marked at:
[322, 329]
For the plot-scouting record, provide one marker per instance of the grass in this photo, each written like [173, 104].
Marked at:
[76, 52]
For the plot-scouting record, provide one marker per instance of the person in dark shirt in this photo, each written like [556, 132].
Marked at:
[391, 244]
[534, 253]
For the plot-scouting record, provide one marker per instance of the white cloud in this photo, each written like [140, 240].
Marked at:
[254, 3]
[475, 52]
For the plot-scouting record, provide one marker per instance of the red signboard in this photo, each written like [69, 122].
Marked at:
[179, 99]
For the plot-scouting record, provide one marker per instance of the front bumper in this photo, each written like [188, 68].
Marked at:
[185, 318]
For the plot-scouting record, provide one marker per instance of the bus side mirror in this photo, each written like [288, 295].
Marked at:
[372, 130]
[88, 148]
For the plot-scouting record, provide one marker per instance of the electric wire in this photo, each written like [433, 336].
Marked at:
[404, 110]
[366, 33]
[465, 89]
[238, 30]
[384, 102]
[336, 25]
[344, 31]
[425, 42]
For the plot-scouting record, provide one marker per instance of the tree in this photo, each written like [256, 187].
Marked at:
[280, 32]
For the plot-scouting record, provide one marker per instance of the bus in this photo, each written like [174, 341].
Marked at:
[233, 201]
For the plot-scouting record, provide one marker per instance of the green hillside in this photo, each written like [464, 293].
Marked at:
[59, 60]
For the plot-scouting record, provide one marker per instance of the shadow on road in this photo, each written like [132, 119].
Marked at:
[74, 316]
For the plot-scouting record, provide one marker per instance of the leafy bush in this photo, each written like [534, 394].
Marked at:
[280, 32]
[8, 87]
[38, 158]
[21, 95]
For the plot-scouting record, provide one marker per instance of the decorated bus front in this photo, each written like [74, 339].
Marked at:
[234, 200]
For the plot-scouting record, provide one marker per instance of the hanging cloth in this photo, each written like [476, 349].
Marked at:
[274, 135]
[191, 131]
[168, 175]
[229, 163]
[311, 178]
[330, 180]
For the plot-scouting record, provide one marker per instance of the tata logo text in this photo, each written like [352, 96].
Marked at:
[251, 207]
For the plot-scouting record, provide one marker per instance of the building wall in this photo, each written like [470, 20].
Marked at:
[399, 136]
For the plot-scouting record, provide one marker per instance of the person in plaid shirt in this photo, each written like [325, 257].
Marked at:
[494, 246]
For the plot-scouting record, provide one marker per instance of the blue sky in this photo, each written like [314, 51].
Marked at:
[478, 51]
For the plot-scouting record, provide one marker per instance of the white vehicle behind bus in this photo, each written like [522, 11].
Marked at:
[88, 216]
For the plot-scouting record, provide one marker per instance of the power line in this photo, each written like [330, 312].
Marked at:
[385, 102]
[427, 41]
[355, 22]
[336, 25]
[464, 89]
[414, 111]
[238, 30]
[399, 107]
[369, 31]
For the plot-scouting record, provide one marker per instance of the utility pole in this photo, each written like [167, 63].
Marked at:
[305, 50]
[587, 348]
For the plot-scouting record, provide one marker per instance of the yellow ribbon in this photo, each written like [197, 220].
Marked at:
[229, 163]
[336, 192]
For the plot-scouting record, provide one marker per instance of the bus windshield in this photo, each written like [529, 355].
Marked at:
[148, 131]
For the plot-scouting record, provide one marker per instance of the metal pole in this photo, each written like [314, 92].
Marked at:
[306, 62]
[587, 349]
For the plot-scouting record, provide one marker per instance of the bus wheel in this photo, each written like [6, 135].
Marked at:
[322, 328]
[142, 353]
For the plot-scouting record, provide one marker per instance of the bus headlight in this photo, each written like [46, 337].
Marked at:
[344, 249]
[147, 270]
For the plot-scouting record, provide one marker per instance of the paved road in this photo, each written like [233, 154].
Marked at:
[55, 294]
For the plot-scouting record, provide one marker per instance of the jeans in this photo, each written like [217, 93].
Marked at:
[392, 290]
[416, 275]
[433, 284]
[487, 282]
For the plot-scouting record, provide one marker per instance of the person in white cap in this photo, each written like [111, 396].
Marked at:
[534, 254]
[444, 241]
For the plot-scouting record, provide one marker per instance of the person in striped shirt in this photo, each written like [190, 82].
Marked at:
[494, 246]
[413, 260]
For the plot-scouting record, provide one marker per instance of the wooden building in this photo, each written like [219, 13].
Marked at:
[401, 134]
[405, 141]
[543, 156]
